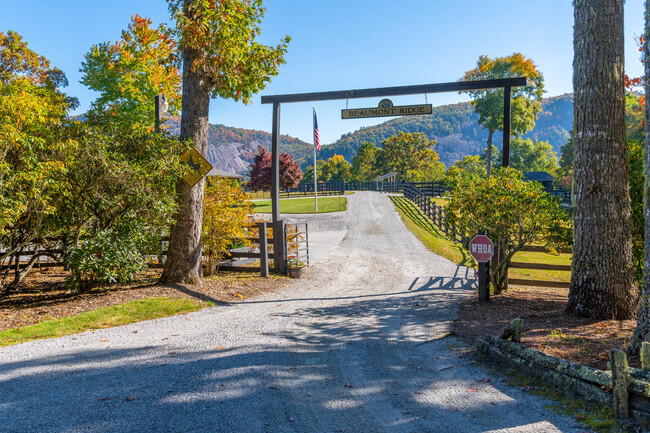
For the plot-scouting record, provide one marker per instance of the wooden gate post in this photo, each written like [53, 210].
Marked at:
[264, 251]
[484, 281]
[280, 246]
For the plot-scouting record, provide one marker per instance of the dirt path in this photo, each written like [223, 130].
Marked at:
[359, 345]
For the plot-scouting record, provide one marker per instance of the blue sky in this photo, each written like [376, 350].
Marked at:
[339, 45]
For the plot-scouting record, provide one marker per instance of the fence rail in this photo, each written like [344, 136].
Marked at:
[434, 212]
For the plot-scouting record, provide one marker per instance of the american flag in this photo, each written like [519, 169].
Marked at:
[316, 136]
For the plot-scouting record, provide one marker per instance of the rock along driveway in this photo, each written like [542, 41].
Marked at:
[358, 345]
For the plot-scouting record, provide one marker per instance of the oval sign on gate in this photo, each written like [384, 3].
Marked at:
[481, 248]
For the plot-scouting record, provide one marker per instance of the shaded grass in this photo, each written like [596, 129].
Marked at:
[431, 236]
[123, 314]
[304, 205]
[435, 240]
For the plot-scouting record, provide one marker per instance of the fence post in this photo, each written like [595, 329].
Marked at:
[264, 252]
[645, 355]
[621, 381]
[279, 246]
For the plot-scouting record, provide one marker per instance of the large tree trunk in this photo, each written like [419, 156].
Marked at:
[183, 264]
[642, 331]
[603, 283]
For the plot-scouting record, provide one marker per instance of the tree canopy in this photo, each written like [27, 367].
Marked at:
[129, 73]
[260, 174]
[409, 154]
[526, 101]
[222, 36]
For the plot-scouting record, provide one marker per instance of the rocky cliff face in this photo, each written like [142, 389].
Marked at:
[232, 157]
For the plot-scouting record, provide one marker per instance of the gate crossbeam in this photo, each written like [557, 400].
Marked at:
[457, 86]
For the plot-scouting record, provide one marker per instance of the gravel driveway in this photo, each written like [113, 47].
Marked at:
[359, 345]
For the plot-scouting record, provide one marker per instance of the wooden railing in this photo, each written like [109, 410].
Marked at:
[540, 266]
[434, 212]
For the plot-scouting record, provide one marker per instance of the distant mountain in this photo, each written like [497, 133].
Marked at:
[233, 149]
[456, 130]
[454, 127]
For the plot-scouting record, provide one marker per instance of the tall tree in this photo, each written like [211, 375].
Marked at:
[529, 155]
[488, 104]
[603, 283]
[260, 174]
[642, 331]
[406, 154]
[33, 113]
[129, 73]
[336, 169]
[470, 166]
[221, 58]
[363, 163]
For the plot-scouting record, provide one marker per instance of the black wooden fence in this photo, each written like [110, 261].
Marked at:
[434, 212]
[438, 216]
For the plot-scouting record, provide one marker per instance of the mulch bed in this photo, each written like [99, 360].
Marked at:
[44, 295]
[547, 327]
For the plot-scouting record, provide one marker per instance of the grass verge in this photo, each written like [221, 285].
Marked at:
[122, 314]
[304, 205]
[435, 240]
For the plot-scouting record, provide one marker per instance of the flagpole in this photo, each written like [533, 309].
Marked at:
[315, 175]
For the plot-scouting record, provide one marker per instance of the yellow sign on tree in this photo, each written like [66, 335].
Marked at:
[199, 166]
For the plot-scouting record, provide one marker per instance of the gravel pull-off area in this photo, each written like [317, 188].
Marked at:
[359, 345]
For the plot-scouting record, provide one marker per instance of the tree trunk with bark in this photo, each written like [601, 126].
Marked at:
[183, 264]
[603, 283]
[642, 331]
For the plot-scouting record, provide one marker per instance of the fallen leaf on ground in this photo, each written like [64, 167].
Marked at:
[104, 399]
[272, 387]
[103, 341]
[218, 347]
[129, 399]
[484, 380]
[472, 389]
[239, 295]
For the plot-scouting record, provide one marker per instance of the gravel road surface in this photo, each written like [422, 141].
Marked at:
[360, 344]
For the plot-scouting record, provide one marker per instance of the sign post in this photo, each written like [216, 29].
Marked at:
[482, 249]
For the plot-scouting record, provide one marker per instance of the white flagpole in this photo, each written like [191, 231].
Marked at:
[315, 176]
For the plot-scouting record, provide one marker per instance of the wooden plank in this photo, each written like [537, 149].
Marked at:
[246, 254]
[540, 266]
[539, 249]
[36, 265]
[539, 283]
[238, 269]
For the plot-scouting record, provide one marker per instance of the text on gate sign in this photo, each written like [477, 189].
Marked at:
[386, 108]
[482, 248]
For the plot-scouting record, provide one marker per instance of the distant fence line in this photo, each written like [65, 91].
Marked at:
[429, 189]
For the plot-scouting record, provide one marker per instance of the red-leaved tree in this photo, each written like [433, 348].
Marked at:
[290, 173]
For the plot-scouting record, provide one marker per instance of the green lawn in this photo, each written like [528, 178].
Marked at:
[304, 205]
[435, 240]
[129, 312]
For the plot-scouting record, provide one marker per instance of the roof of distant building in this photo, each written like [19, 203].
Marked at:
[221, 173]
[538, 176]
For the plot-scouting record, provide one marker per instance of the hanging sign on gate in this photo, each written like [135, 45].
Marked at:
[385, 109]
